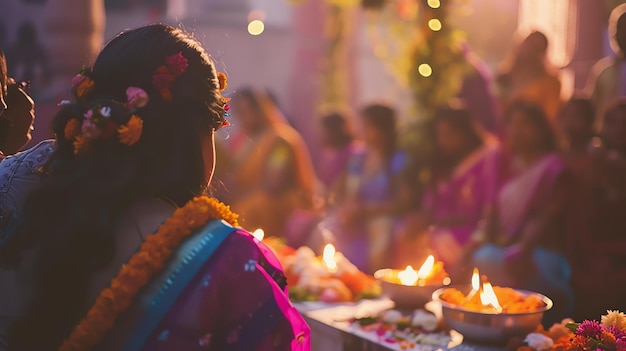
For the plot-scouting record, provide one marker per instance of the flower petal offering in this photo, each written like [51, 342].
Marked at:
[328, 278]
[486, 313]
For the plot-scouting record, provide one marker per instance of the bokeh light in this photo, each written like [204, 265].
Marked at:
[256, 27]
[434, 25]
[434, 4]
[425, 70]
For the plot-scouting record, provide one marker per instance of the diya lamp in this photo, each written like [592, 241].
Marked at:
[409, 288]
[485, 313]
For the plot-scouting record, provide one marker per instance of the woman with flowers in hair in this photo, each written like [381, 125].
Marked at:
[117, 249]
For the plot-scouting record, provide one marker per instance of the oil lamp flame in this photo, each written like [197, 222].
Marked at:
[408, 276]
[258, 234]
[475, 280]
[426, 268]
[329, 258]
[488, 297]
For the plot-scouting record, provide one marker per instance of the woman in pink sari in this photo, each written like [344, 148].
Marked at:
[117, 249]
[525, 237]
[465, 179]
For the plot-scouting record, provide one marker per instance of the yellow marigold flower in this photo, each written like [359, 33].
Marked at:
[616, 319]
[130, 133]
[223, 80]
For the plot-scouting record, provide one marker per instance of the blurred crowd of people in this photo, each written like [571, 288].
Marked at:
[526, 187]
[532, 192]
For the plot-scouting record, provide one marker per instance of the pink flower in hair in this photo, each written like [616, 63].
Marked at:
[177, 63]
[79, 78]
[136, 98]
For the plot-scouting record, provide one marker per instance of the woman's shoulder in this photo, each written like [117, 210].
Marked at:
[28, 161]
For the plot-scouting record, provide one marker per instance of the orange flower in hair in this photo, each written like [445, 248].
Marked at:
[223, 81]
[130, 133]
[72, 129]
[80, 145]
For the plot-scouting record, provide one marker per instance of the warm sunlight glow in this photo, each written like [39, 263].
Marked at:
[329, 258]
[408, 276]
[488, 297]
[256, 27]
[426, 268]
[258, 234]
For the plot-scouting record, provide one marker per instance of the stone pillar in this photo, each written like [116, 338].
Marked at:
[323, 75]
[591, 36]
[74, 34]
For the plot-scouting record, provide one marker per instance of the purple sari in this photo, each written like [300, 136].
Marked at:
[459, 203]
[234, 299]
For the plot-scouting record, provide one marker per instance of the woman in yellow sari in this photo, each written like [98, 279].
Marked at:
[271, 176]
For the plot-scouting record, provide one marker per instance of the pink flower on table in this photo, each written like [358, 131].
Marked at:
[136, 97]
[177, 63]
[589, 329]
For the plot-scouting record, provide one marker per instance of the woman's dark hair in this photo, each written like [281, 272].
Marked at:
[461, 119]
[535, 115]
[582, 104]
[383, 118]
[73, 216]
[337, 129]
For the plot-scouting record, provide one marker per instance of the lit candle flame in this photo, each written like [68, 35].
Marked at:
[488, 297]
[258, 234]
[329, 258]
[408, 276]
[475, 280]
[426, 268]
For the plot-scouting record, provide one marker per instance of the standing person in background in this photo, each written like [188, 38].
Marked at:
[478, 95]
[270, 176]
[529, 76]
[607, 79]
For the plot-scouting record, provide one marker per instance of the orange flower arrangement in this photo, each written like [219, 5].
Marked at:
[142, 266]
[130, 133]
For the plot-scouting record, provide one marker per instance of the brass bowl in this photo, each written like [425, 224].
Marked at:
[405, 296]
[484, 327]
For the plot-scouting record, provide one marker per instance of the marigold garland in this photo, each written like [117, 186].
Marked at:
[142, 266]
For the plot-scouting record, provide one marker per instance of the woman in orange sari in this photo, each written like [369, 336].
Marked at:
[271, 176]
